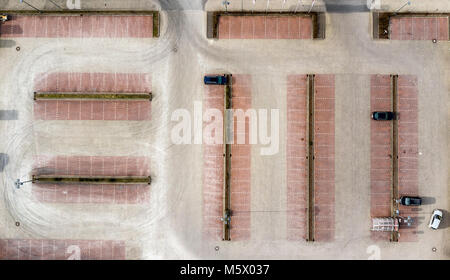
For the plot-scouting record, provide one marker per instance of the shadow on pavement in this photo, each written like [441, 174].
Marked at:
[445, 223]
[426, 200]
[340, 6]
[4, 160]
[9, 115]
[7, 43]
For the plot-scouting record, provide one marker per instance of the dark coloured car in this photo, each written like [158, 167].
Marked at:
[383, 116]
[216, 80]
[410, 200]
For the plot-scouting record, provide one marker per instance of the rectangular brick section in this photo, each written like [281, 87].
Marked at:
[241, 161]
[91, 166]
[419, 28]
[213, 168]
[324, 193]
[296, 152]
[53, 249]
[380, 151]
[86, 26]
[130, 110]
[408, 128]
[265, 27]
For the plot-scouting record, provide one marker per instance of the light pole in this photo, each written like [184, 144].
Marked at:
[298, 4]
[226, 3]
[22, 1]
[18, 183]
[267, 6]
[407, 3]
[312, 5]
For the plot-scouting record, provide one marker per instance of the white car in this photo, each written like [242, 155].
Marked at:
[436, 219]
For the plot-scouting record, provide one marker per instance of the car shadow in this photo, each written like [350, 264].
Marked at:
[426, 200]
[445, 223]
[339, 6]
[9, 115]
[7, 43]
[4, 160]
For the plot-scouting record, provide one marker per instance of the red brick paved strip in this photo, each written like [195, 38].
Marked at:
[93, 109]
[265, 27]
[408, 149]
[419, 28]
[48, 249]
[296, 152]
[86, 26]
[241, 164]
[324, 193]
[381, 147]
[91, 166]
[240, 168]
[380, 152]
[213, 171]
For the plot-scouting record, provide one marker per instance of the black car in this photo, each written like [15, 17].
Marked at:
[216, 80]
[410, 200]
[383, 116]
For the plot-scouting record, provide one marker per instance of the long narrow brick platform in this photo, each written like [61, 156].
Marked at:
[324, 192]
[297, 157]
[213, 167]
[419, 28]
[380, 152]
[86, 26]
[131, 110]
[241, 163]
[48, 249]
[91, 166]
[408, 151]
[265, 27]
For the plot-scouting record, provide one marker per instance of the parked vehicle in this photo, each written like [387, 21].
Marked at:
[436, 219]
[216, 80]
[4, 18]
[383, 116]
[410, 200]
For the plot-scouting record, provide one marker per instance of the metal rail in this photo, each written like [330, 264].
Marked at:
[227, 162]
[310, 141]
[394, 195]
[92, 95]
[49, 179]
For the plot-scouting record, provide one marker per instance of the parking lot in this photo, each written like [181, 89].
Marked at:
[275, 199]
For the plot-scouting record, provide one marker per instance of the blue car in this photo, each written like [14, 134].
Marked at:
[216, 80]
